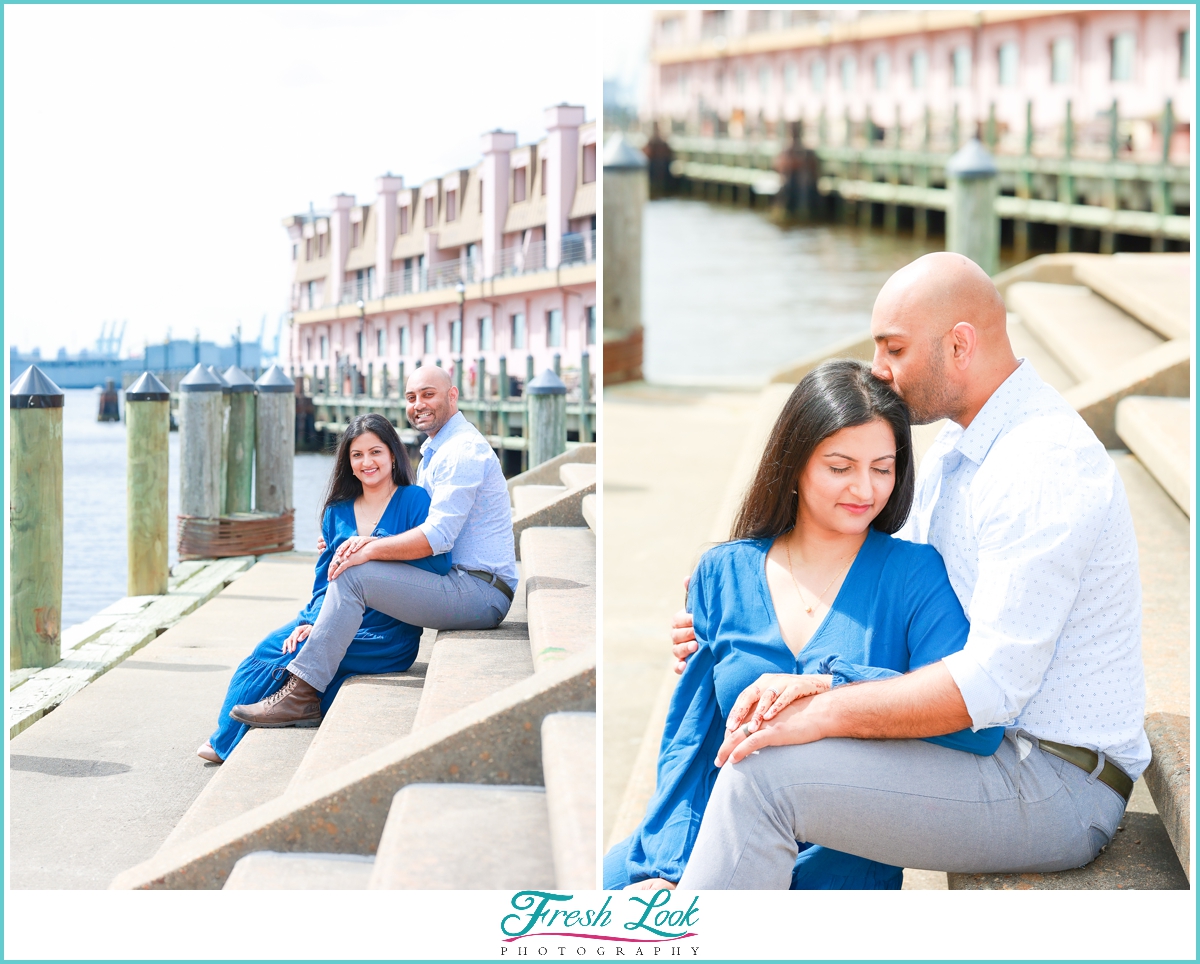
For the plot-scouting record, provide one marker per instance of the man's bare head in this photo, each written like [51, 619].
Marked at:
[432, 399]
[941, 337]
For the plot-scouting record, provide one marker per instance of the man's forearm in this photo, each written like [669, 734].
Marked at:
[924, 703]
[408, 545]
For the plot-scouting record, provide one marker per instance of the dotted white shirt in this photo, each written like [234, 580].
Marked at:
[1030, 515]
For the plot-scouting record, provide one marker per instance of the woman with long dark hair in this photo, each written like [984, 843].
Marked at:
[370, 493]
[812, 591]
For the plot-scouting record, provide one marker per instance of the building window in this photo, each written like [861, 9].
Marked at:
[817, 74]
[381, 347]
[1185, 54]
[295, 252]
[519, 184]
[764, 80]
[554, 332]
[456, 337]
[430, 212]
[308, 349]
[308, 290]
[848, 70]
[308, 249]
[402, 331]
[1062, 52]
[404, 220]
[1007, 64]
[355, 233]
[430, 340]
[919, 64]
[962, 66]
[1121, 55]
[518, 331]
[324, 347]
[543, 173]
[789, 77]
[481, 195]
[321, 245]
[883, 69]
[713, 23]
[589, 163]
[591, 325]
[485, 333]
[451, 205]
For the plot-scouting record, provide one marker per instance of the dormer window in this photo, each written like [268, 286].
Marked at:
[543, 172]
[404, 220]
[589, 163]
[430, 212]
[519, 184]
[356, 233]
[451, 205]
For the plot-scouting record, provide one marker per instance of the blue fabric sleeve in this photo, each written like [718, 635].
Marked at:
[308, 615]
[413, 511]
[938, 627]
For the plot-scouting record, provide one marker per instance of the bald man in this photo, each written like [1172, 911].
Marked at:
[469, 516]
[1031, 518]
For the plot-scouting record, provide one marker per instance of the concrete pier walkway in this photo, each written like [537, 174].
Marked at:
[97, 785]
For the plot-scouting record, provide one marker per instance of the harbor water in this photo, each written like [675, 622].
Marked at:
[729, 297]
[94, 540]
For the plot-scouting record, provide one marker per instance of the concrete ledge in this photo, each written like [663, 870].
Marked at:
[548, 472]
[1140, 857]
[470, 665]
[566, 510]
[1056, 269]
[559, 568]
[575, 475]
[1158, 432]
[530, 498]
[861, 347]
[496, 741]
[1169, 778]
[1165, 370]
[1154, 288]
[569, 768]
[588, 508]
[271, 871]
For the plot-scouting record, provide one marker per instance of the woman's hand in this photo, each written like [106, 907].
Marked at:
[353, 552]
[794, 724]
[763, 699]
[654, 883]
[299, 635]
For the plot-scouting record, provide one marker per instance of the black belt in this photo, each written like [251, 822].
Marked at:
[1112, 775]
[492, 580]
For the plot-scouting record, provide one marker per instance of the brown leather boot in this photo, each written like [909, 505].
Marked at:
[294, 704]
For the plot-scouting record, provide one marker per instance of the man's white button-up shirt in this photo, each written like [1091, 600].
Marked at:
[1030, 515]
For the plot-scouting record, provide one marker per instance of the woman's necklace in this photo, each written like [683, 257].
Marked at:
[372, 523]
[795, 582]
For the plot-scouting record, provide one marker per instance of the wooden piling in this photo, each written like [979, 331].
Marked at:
[921, 179]
[1066, 183]
[972, 228]
[275, 442]
[547, 423]
[1024, 189]
[585, 396]
[35, 445]
[1108, 238]
[226, 406]
[503, 392]
[243, 415]
[147, 518]
[200, 413]
[1161, 202]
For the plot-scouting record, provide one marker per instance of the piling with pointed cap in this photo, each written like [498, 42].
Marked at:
[972, 227]
[625, 193]
[35, 444]
[275, 442]
[547, 400]
[147, 518]
[201, 413]
[226, 405]
[243, 412]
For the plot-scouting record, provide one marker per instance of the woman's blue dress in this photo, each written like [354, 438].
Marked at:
[381, 645]
[895, 611]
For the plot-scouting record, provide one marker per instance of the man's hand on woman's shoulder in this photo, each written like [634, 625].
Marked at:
[683, 636]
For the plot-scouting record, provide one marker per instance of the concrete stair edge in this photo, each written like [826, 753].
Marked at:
[588, 508]
[559, 568]
[344, 811]
[1096, 272]
[569, 770]
[547, 472]
[1169, 779]
[577, 474]
[565, 511]
[271, 870]
[1166, 454]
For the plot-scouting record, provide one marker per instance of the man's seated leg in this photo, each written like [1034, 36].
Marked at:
[903, 802]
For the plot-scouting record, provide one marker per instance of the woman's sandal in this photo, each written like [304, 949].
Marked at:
[207, 753]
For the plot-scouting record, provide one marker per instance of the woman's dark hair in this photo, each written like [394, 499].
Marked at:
[837, 395]
[343, 484]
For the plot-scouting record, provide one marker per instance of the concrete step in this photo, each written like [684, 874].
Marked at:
[577, 474]
[1158, 432]
[548, 472]
[1026, 345]
[266, 870]
[1169, 778]
[465, 837]
[530, 498]
[569, 766]
[1153, 288]
[559, 565]
[588, 507]
[1087, 334]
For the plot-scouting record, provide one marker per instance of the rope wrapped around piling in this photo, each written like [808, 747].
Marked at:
[241, 534]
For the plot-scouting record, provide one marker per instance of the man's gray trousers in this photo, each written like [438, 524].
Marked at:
[404, 592]
[902, 802]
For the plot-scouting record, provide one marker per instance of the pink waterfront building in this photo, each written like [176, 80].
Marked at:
[742, 71]
[494, 260]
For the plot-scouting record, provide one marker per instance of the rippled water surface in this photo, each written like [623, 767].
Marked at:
[95, 554]
[729, 297]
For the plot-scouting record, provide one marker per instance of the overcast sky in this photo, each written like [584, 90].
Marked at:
[151, 152]
[626, 32]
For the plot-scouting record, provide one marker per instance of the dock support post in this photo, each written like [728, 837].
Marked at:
[1162, 189]
[585, 396]
[503, 378]
[1066, 183]
[147, 518]
[35, 444]
[243, 415]
[226, 407]
[275, 442]
[547, 401]
[972, 227]
[1024, 189]
[921, 179]
[1108, 239]
[200, 415]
